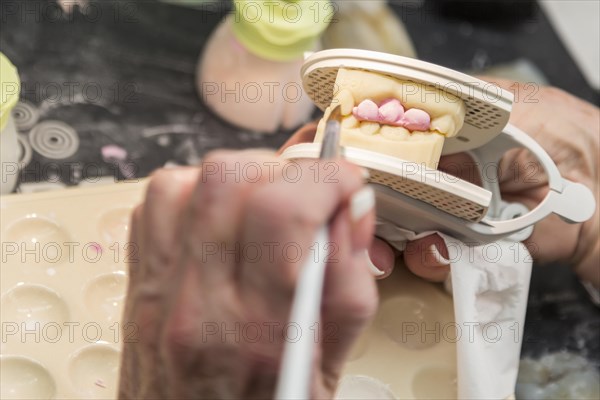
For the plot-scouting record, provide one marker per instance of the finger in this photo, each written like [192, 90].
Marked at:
[349, 293]
[130, 369]
[306, 134]
[428, 258]
[287, 214]
[282, 220]
[215, 215]
[381, 259]
[135, 233]
[146, 293]
[206, 295]
[156, 228]
[167, 196]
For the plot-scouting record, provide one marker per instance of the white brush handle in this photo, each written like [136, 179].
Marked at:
[296, 365]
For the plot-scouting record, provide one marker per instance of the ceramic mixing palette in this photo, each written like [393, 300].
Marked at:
[63, 282]
[63, 285]
[409, 350]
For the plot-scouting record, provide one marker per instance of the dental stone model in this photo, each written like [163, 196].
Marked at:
[402, 119]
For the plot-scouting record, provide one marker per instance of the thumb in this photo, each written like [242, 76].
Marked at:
[306, 134]
[428, 258]
[381, 259]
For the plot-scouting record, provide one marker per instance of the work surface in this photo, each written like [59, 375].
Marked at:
[126, 77]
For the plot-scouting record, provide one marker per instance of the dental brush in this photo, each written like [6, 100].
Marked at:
[296, 365]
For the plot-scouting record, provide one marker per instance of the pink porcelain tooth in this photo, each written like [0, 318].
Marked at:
[390, 111]
[367, 110]
[416, 120]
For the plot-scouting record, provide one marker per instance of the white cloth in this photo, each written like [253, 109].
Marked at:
[490, 285]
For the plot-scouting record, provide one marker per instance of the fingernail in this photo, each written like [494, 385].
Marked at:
[374, 270]
[365, 173]
[437, 256]
[448, 283]
[362, 203]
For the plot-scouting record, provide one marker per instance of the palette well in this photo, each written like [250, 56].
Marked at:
[63, 283]
[408, 351]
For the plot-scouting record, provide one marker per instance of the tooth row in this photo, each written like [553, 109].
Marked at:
[389, 109]
[390, 112]
[390, 132]
[369, 128]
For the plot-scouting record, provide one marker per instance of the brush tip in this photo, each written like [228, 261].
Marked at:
[336, 114]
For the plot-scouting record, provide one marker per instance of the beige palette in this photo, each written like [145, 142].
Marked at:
[408, 351]
[63, 282]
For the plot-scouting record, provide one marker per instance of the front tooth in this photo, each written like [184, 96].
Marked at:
[444, 125]
[367, 110]
[416, 120]
[349, 122]
[346, 101]
[394, 133]
[369, 128]
[391, 110]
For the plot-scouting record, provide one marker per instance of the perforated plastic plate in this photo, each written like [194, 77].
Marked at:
[488, 106]
[443, 191]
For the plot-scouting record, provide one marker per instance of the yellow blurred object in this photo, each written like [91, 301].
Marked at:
[368, 25]
[10, 89]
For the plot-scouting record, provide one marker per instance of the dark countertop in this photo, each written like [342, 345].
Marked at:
[466, 45]
[131, 67]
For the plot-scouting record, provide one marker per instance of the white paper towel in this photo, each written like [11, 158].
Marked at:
[490, 285]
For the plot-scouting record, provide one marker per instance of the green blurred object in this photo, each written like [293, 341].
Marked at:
[277, 30]
[280, 30]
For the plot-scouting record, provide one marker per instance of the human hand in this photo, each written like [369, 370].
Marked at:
[380, 256]
[568, 128]
[211, 301]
